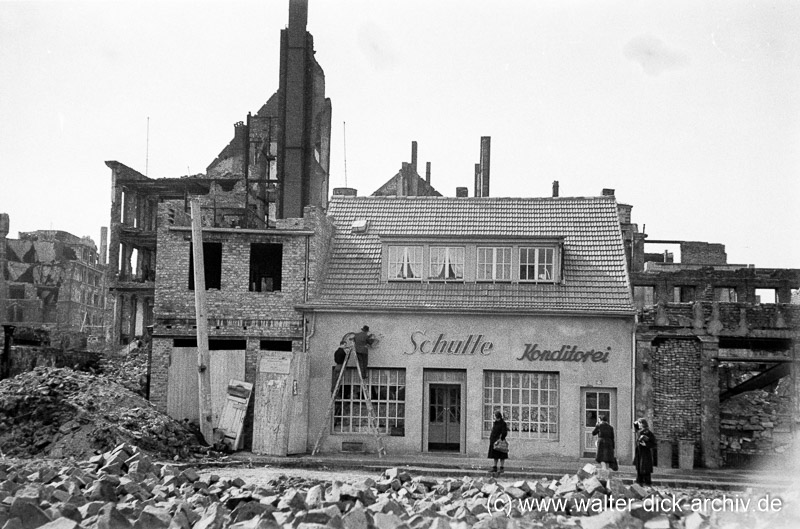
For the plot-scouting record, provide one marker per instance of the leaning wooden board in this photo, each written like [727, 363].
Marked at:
[232, 418]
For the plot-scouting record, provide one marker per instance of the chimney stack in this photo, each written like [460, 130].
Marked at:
[477, 179]
[555, 188]
[428, 177]
[414, 155]
[608, 192]
[486, 144]
[462, 192]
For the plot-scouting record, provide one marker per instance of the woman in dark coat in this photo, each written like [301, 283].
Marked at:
[605, 443]
[499, 431]
[643, 460]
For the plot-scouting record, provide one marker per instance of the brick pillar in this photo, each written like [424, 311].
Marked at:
[709, 402]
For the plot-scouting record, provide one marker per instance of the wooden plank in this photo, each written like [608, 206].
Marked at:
[203, 356]
[232, 417]
[273, 394]
[225, 365]
[182, 386]
[182, 391]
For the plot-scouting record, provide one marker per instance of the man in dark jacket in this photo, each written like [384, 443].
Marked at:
[361, 341]
[605, 443]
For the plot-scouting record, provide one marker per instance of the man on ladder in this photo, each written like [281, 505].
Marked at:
[351, 343]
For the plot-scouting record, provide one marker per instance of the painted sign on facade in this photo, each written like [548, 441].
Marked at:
[567, 353]
[473, 344]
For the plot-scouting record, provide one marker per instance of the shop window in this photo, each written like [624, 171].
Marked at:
[212, 265]
[494, 264]
[447, 263]
[528, 401]
[16, 292]
[683, 294]
[725, 294]
[387, 389]
[643, 297]
[405, 262]
[537, 264]
[266, 263]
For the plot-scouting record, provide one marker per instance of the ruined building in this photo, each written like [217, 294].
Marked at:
[276, 164]
[716, 351]
[53, 281]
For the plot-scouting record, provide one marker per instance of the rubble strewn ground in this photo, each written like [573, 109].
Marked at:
[58, 412]
[123, 488]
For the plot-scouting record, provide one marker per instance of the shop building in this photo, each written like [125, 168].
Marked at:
[476, 304]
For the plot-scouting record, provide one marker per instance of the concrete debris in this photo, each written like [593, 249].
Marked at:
[58, 412]
[125, 488]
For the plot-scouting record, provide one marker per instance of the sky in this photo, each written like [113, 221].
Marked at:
[688, 109]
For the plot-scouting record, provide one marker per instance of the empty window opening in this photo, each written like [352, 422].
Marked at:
[212, 265]
[16, 292]
[684, 294]
[725, 294]
[276, 345]
[266, 262]
[643, 296]
[765, 295]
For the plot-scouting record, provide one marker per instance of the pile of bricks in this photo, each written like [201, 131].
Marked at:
[123, 489]
[58, 412]
[757, 422]
[129, 369]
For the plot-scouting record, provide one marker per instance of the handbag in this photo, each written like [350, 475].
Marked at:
[501, 445]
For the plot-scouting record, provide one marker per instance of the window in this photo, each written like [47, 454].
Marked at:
[683, 294]
[387, 389]
[212, 265]
[725, 294]
[528, 401]
[447, 263]
[405, 262]
[765, 295]
[494, 264]
[16, 291]
[537, 264]
[266, 261]
[643, 297]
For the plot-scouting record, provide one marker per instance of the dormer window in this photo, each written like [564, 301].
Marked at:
[405, 262]
[494, 264]
[537, 264]
[447, 263]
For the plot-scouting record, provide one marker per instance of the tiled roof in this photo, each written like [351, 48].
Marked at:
[594, 269]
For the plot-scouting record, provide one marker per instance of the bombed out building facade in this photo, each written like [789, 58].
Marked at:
[53, 284]
[547, 309]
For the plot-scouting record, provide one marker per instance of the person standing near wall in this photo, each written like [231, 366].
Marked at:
[361, 342]
[499, 433]
[605, 444]
[339, 357]
[643, 460]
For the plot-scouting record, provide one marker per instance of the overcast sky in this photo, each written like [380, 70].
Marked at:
[689, 110]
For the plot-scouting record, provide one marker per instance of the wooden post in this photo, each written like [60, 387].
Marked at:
[203, 356]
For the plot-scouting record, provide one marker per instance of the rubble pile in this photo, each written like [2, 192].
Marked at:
[123, 488]
[756, 422]
[129, 369]
[58, 412]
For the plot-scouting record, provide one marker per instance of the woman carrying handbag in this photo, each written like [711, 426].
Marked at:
[498, 447]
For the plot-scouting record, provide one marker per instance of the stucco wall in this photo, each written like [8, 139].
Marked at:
[508, 336]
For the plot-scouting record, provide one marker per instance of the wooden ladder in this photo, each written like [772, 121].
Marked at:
[372, 420]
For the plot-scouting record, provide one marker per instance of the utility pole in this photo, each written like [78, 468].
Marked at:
[203, 356]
